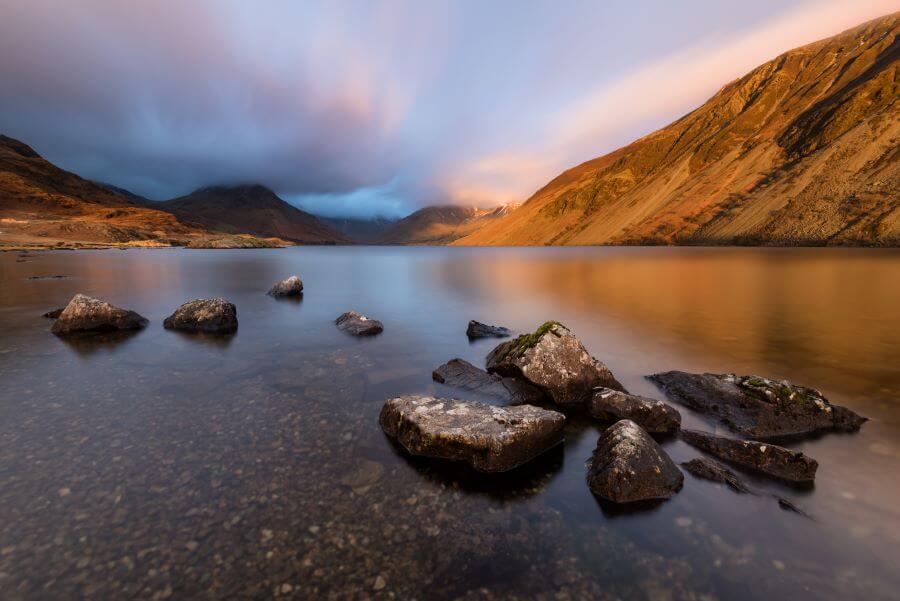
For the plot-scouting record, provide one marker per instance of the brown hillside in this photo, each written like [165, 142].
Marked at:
[802, 150]
[441, 225]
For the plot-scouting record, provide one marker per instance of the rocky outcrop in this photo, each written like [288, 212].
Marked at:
[628, 466]
[652, 415]
[477, 330]
[768, 459]
[714, 471]
[292, 286]
[487, 437]
[358, 325]
[465, 376]
[86, 314]
[757, 407]
[555, 361]
[214, 315]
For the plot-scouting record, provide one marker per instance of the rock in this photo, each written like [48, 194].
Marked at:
[555, 361]
[652, 415]
[716, 472]
[289, 287]
[465, 376]
[768, 459]
[47, 277]
[757, 407]
[358, 325]
[487, 437]
[628, 466]
[86, 314]
[54, 314]
[215, 315]
[364, 473]
[479, 330]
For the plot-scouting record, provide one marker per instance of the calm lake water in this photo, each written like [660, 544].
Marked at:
[165, 465]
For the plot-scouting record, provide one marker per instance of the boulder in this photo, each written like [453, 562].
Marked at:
[757, 407]
[479, 330]
[762, 457]
[714, 471]
[54, 314]
[487, 437]
[555, 361]
[358, 325]
[628, 466]
[86, 314]
[289, 287]
[465, 376]
[652, 415]
[215, 315]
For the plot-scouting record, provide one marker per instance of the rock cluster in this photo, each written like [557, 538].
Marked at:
[214, 315]
[358, 325]
[86, 314]
[487, 437]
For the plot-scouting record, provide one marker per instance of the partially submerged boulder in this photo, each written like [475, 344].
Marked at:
[555, 361]
[652, 415]
[477, 330]
[292, 286]
[714, 471]
[86, 314]
[628, 466]
[358, 325]
[762, 457]
[215, 315]
[487, 437]
[465, 376]
[757, 407]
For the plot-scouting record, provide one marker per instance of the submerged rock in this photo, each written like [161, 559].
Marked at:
[555, 361]
[477, 329]
[289, 287]
[652, 415]
[757, 407]
[715, 472]
[358, 325]
[86, 314]
[487, 437]
[628, 466]
[768, 459]
[215, 315]
[465, 376]
[54, 314]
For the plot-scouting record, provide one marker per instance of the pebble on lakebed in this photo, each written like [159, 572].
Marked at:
[487, 437]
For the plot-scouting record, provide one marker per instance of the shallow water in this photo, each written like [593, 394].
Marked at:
[161, 464]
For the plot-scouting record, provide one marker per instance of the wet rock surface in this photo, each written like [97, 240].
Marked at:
[54, 314]
[476, 330]
[291, 286]
[714, 471]
[629, 466]
[555, 361]
[358, 325]
[487, 437]
[215, 316]
[757, 407]
[652, 415]
[762, 457]
[461, 374]
[86, 314]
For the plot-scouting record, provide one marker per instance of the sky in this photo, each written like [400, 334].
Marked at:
[366, 108]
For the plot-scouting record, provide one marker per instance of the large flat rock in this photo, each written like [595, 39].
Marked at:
[487, 437]
[554, 360]
[86, 314]
[652, 415]
[461, 374]
[765, 458]
[757, 407]
[628, 466]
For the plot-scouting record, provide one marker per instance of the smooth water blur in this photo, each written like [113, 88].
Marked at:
[160, 464]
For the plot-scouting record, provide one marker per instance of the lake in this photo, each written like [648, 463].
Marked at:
[163, 465]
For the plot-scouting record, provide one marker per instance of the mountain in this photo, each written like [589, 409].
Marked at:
[803, 150]
[361, 231]
[251, 209]
[43, 205]
[441, 225]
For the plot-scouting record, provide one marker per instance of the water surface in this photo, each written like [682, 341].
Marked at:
[159, 464]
